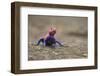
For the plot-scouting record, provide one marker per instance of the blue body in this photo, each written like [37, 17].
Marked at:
[49, 41]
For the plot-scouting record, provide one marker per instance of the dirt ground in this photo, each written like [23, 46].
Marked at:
[71, 32]
[73, 49]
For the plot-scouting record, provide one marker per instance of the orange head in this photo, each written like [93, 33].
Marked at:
[52, 31]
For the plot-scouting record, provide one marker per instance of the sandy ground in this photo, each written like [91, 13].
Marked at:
[72, 49]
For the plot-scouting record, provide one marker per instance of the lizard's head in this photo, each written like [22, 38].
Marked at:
[52, 31]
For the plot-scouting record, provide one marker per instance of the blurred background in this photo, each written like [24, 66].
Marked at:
[72, 32]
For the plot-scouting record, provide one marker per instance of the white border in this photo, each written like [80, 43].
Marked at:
[25, 64]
